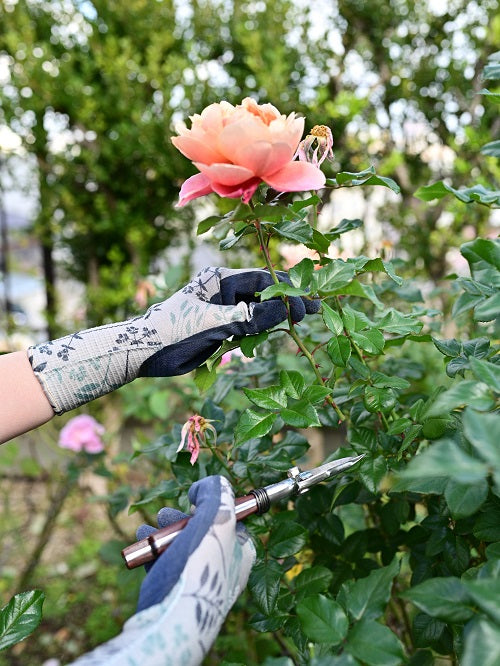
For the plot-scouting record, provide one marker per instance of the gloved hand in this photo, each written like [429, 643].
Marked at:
[171, 338]
[189, 590]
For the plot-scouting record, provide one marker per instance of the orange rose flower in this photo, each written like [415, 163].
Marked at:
[235, 148]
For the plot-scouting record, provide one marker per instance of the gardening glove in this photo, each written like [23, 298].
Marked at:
[171, 338]
[189, 590]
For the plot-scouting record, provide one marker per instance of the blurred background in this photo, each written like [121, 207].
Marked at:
[90, 94]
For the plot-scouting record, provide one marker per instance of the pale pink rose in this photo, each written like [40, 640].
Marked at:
[82, 433]
[235, 148]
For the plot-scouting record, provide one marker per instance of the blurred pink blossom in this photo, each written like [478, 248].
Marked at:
[230, 355]
[194, 429]
[235, 148]
[293, 254]
[82, 433]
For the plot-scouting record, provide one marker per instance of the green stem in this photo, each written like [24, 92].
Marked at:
[220, 458]
[292, 332]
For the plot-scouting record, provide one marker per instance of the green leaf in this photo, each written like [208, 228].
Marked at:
[449, 348]
[464, 499]
[301, 273]
[249, 342]
[374, 644]
[378, 265]
[281, 289]
[356, 288]
[339, 350]
[366, 177]
[399, 324]
[286, 539]
[342, 228]
[379, 399]
[481, 643]
[492, 148]
[301, 415]
[270, 397]
[369, 596]
[398, 426]
[432, 632]
[204, 378]
[469, 392]
[371, 341]
[20, 617]
[332, 319]
[487, 309]
[312, 581]
[328, 279]
[208, 223]
[264, 585]
[293, 383]
[482, 430]
[444, 598]
[296, 230]
[316, 393]
[253, 424]
[487, 526]
[477, 193]
[384, 381]
[322, 620]
[486, 594]
[481, 251]
[372, 471]
[445, 459]
[168, 489]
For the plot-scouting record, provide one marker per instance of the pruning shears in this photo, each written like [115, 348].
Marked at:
[257, 501]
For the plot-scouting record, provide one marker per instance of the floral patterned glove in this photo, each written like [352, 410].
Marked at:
[171, 338]
[189, 590]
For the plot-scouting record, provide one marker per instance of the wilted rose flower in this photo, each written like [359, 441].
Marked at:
[82, 433]
[317, 146]
[195, 430]
[235, 148]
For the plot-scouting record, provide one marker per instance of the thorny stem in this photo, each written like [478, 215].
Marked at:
[292, 332]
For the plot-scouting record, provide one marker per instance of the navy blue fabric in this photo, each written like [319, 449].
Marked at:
[188, 354]
[165, 572]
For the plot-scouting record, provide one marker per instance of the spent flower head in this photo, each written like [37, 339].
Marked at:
[317, 146]
[195, 431]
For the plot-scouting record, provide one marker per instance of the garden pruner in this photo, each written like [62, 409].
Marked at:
[257, 501]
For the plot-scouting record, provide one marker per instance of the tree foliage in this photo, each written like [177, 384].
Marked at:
[95, 89]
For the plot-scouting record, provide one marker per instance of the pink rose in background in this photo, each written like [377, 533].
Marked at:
[235, 148]
[82, 433]
[293, 254]
[228, 356]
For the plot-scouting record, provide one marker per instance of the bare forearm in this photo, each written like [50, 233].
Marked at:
[23, 405]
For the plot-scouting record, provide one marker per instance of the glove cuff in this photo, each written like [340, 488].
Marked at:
[83, 366]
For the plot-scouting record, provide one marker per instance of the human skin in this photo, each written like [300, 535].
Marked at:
[23, 405]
